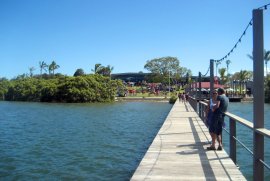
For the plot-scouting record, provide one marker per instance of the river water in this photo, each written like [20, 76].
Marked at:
[93, 141]
[245, 135]
[76, 141]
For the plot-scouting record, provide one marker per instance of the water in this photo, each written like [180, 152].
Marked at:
[245, 135]
[76, 141]
[93, 141]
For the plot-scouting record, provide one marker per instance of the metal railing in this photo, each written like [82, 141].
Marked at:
[233, 119]
[259, 132]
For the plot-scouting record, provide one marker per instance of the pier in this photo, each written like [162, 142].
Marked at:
[179, 152]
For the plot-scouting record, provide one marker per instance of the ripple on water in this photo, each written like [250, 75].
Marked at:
[76, 141]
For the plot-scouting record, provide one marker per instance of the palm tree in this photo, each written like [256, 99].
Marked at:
[98, 68]
[217, 64]
[243, 76]
[109, 70]
[42, 66]
[53, 66]
[105, 71]
[228, 62]
[222, 75]
[31, 70]
[250, 56]
[266, 58]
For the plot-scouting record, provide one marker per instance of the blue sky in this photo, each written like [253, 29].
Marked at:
[124, 33]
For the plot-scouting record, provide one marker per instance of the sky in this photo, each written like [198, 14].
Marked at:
[125, 33]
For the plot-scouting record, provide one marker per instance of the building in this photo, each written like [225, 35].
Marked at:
[131, 77]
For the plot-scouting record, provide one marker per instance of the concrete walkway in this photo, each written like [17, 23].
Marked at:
[179, 152]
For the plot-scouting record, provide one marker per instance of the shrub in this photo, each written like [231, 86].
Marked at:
[172, 99]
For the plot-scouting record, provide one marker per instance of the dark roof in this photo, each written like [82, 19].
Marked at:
[206, 85]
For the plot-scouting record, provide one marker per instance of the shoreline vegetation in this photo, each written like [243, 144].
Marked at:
[87, 88]
[166, 75]
[61, 89]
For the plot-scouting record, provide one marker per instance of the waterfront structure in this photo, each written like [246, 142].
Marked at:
[131, 76]
[179, 152]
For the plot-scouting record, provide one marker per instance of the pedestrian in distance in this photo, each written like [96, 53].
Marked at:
[184, 97]
[179, 96]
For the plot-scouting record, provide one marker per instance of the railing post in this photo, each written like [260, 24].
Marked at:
[204, 113]
[190, 89]
[194, 104]
[196, 87]
[258, 103]
[211, 77]
[232, 140]
[200, 94]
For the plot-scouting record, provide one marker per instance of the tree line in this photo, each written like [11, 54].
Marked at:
[44, 67]
[81, 87]
[60, 88]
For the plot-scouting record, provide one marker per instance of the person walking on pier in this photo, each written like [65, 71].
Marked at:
[184, 97]
[179, 96]
[218, 118]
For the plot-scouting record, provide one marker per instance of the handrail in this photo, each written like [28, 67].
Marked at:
[263, 131]
[241, 143]
[204, 103]
[233, 119]
[240, 120]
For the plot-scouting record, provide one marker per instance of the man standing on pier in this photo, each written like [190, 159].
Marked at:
[218, 118]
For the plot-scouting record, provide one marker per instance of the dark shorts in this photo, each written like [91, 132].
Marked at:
[217, 123]
[209, 118]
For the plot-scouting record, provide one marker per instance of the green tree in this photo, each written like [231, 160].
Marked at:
[266, 58]
[31, 71]
[164, 68]
[91, 88]
[154, 77]
[223, 77]
[97, 69]
[242, 76]
[107, 71]
[79, 72]
[228, 62]
[49, 90]
[24, 90]
[217, 64]
[267, 89]
[22, 76]
[4, 85]
[52, 67]
[163, 65]
[60, 88]
[183, 71]
[42, 66]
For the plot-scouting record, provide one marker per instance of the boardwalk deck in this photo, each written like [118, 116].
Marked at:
[179, 152]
